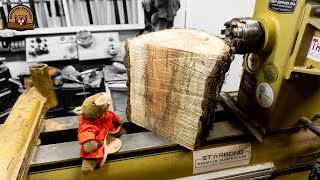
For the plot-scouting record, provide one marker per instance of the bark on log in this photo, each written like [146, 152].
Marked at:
[174, 80]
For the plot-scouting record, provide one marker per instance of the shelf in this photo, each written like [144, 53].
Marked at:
[139, 24]
[69, 30]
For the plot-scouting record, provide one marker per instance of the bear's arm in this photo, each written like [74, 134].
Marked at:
[114, 117]
[90, 146]
[87, 132]
[120, 121]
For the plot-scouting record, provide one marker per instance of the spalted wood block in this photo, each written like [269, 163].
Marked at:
[174, 80]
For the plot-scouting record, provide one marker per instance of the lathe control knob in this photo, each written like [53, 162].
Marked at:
[32, 53]
[38, 51]
[45, 50]
[84, 38]
[71, 48]
[38, 39]
[112, 50]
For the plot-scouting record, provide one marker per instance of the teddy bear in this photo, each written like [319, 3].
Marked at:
[97, 131]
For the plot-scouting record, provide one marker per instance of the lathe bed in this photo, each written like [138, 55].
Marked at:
[145, 155]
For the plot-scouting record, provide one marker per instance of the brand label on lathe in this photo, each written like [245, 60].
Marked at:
[314, 50]
[221, 157]
[283, 6]
[264, 95]
[252, 62]
[248, 83]
[270, 73]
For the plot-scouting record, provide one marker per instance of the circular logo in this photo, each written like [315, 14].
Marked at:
[264, 95]
[270, 73]
[20, 18]
[252, 62]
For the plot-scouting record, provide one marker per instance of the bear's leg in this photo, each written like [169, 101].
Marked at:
[88, 165]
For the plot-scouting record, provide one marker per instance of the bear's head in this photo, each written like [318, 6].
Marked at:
[93, 107]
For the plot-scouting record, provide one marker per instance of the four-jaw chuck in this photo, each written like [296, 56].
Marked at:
[244, 34]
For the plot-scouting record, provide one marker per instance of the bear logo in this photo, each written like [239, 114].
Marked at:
[21, 19]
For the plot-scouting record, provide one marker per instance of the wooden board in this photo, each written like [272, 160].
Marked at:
[174, 80]
[19, 134]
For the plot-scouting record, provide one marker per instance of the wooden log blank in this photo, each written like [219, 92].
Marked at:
[174, 80]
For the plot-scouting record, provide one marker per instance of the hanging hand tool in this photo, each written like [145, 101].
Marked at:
[53, 13]
[89, 11]
[66, 12]
[125, 11]
[3, 16]
[8, 6]
[116, 10]
[31, 2]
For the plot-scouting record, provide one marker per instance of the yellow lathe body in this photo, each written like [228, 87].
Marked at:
[280, 81]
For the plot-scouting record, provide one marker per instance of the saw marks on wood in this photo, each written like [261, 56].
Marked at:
[169, 74]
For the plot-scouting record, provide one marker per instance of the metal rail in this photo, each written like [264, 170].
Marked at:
[310, 125]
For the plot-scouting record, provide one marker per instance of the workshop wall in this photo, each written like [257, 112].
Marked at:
[210, 16]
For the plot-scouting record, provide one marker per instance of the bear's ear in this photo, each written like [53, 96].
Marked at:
[78, 110]
[104, 99]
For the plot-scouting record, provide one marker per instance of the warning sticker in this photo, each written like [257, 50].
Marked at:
[221, 157]
[314, 50]
[283, 6]
[248, 83]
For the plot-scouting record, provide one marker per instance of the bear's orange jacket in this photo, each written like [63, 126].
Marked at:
[97, 130]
